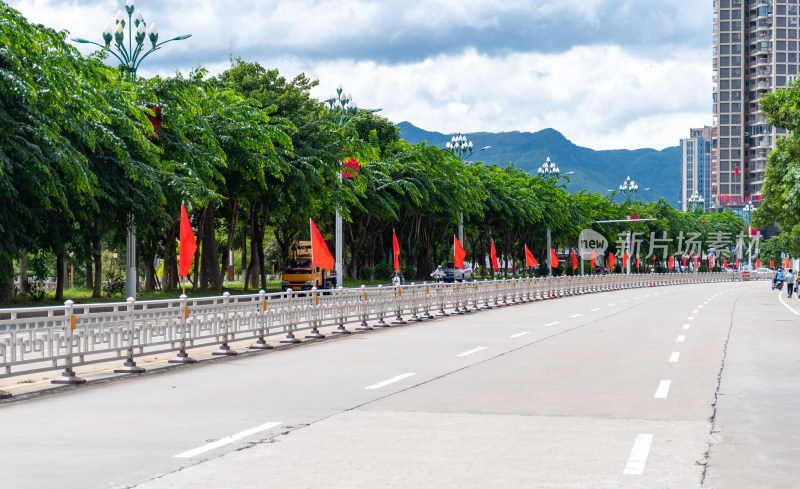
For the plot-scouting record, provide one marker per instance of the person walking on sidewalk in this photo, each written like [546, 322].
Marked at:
[789, 277]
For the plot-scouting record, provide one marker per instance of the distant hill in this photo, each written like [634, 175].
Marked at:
[596, 171]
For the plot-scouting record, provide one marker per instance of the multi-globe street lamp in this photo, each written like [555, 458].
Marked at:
[549, 171]
[695, 203]
[131, 58]
[460, 146]
[747, 213]
[344, 110]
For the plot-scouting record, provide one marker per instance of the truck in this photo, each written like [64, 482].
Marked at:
[299, 274]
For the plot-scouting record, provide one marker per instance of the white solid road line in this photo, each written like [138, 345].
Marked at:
[673, 358]
[638, 457]
[681, 339]
[470, 352]
[228, 439]
[519, 334]
[787, 305]
[663, 389]
[552, 324]
[390, 381]
[575, 315]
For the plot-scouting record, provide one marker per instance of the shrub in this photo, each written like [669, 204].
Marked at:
[114, 286]
[383, 271]
[364, 273]
[409, 272]
[33, 288]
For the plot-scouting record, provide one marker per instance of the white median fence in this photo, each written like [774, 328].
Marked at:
[50, 338]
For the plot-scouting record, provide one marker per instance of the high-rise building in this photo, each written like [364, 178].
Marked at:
[755, 52]
[696, 168]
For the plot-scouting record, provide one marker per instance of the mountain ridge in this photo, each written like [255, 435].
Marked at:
[595, 170]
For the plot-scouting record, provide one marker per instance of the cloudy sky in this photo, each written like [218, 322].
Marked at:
[606, 73]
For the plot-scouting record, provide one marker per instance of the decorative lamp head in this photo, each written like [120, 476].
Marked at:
[119, 33]
[120, 18]
[129, 7]
[140, 33]
[107, 34]
[153, 34]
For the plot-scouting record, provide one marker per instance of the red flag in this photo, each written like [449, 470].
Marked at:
[458, 254]
[354, 167]
[593, 257]
[611, 262]
[530, 261]
[574, 260]
[724, 263]
[637, 261]
[493, 256]
[671, 263]
[772, 263]
[697, 262]
[320, 255]
[553, 258]
[737, 263]
[736, 169]
[396, 251]
[684, 262]
[625, 260]
[758, 263]
[188, 245]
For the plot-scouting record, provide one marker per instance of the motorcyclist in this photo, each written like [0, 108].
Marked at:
[778, 280]
[438, 274]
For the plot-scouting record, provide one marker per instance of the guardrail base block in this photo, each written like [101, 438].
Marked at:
[315, 335]
[291, 339]
[5, 395]
[364, 327]
[129, 367]
[68, 377]
[260, 345]
[182, 358]
[224, 350]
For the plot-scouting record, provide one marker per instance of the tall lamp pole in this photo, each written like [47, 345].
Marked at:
[130, 57]
[460, 146]
[344, 109]
[747, 211]
[549, 172]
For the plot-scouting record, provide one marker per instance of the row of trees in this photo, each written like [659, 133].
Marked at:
[253, 155]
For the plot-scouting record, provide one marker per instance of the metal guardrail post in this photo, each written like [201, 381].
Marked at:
[441, 298]
[381, 308]
[457, 295]
[314, 334]
[364, 310]
[341, 329]
[262, 320]
[183, 357]
[475, 297]
[290, 338]
[415, 295]
[130, 367]
[224, 349]
[398, 306]
[68, 377]
[428, 301]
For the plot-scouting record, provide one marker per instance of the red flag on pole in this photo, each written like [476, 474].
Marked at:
[458, 254]
[320, 255]
[625, 260]
[611, 261]
[574, 260]
[772, 263]
[737, 263]
[671, 263]
[637, 261]
[553, 258]
[493, 256]
[724, 263]
[758, 263]
[396, 251]
[188, 244]
[530, 261]
[593, 256]
[697, 262]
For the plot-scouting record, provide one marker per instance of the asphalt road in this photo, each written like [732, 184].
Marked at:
[668, 387]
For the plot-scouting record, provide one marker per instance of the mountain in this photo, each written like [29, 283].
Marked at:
[596, 171]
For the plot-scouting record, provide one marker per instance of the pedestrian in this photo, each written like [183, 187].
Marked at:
[789, 277]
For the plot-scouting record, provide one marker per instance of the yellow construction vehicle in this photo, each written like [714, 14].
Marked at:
[299, 274]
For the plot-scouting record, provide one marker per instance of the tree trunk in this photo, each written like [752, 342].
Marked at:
[97, 255]
[231, 235]
[23, 265]
[6, 280]
[209, 272]
[244, 253]
[59, 275]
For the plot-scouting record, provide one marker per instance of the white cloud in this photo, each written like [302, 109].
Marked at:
[607, 74]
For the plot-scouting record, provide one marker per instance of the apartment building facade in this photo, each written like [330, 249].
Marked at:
[755, 45]
[696, 153]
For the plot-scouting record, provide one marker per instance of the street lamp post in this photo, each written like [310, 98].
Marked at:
[747, 212]
[695, 203]
[344, 110]
[549, 171]
[131, 58]
[460, 146]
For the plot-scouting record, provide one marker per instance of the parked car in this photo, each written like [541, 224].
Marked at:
[453, 274]
[766, 272]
